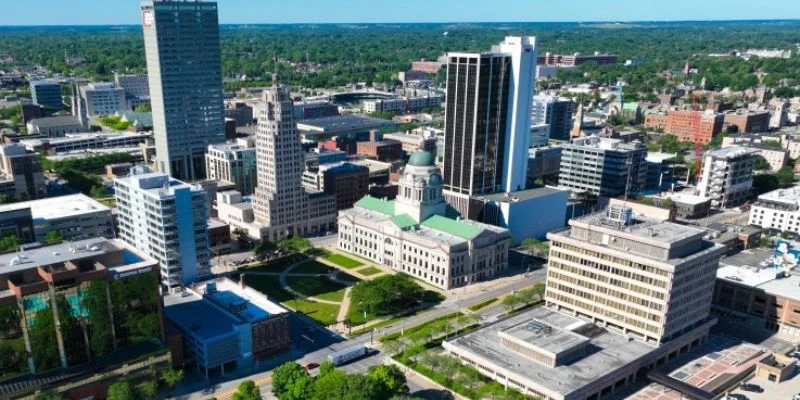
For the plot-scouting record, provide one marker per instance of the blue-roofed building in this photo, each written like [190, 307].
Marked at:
[225, 325]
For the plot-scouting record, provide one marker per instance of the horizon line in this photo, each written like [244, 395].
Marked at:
[434, 22]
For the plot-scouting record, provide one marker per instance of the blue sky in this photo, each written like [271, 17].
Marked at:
[98, 12]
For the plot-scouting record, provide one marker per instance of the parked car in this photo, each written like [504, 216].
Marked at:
[749, 387]
[311, 366]
[736, 396]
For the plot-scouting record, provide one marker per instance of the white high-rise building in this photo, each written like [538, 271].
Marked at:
[167, 219]
[727, 176]
[488, 120]
[778, 209]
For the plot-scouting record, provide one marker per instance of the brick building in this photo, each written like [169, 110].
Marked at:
[381, 150]
[746, 121]
[683, 124]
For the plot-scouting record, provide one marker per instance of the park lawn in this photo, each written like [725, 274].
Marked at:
[320, 287]
[342, 261]
[323, 313]
[369, 271]
[269, 285]
[311, 267]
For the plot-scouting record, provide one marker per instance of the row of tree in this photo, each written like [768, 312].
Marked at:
[291, 381]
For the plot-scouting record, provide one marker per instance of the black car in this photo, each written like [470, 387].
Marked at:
[749, 387]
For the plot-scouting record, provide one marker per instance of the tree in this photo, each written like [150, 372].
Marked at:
[295, 243]
[145, 107]
[120, 390]
[265, 249]
[172, 376]
[247, 391]
[53, 237]
[392, 380]
[785, 177]
[98, 192]
[146, 390]
[761, 163]
[511, 301]
[326, 368]
[287, 378]
[764, 183]
[9, 243]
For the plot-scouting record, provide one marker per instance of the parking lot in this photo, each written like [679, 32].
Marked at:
[772, 391]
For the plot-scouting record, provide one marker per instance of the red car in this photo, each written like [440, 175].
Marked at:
[311, 366]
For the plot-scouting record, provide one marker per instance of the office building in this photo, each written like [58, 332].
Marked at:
[101, 99]
[488, 120]
[665, 273]
[184, 69]
[576, 59]
[235, 163]
[779, 210]
[686, 206]
[556, 112]
[58, 301]
[223, 323]
[17, 222]
[312, 109]
[134, 86]
[655, 120]
[74, 142]
[413, 235]
[47, 93]
[24, 169]
[412, 143]
[514, 211]
[347, 182]
[239, 111]
[281, 207]
[780, 113]
[602, 166]
[543, 163]
[727, 176]
[757, 290]
[660, 171]
[624, 295]
[743, 120]
[683, 124]
[382, 150]
[71, 217]
[167, 219]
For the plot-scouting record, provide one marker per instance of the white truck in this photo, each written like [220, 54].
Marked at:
[349, 354]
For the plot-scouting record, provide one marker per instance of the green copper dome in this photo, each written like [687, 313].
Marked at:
[421, 159]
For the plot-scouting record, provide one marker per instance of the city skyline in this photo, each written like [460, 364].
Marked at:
[84, 12]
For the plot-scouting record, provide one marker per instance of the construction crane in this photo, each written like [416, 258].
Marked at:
[698, 139]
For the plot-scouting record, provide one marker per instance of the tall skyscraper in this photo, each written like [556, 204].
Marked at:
[488, 119]
[184, 69]
[280, 203]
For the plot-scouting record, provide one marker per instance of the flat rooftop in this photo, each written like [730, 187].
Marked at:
[52, 208]
[731, 152]
[540, 335]
[611, 352]
[524, 195]
[258, 305]
[656, 157]
[789, 195]
[644, 227]
[341, 124]
[685, 198]
[762, 269]
[193, 314]
[69, 251]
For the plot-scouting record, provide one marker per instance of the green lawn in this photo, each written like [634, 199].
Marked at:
[369, 271]
[311, 267]
[320, 287]
[323, 313]
[269, 285]
[342, 261]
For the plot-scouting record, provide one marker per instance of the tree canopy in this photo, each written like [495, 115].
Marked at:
[290, 381]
